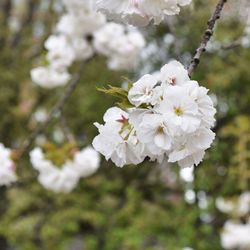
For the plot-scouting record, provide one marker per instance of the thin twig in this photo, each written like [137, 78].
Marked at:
[207, 36]
[195, 62]
[55, 110]
[32, 5]
[232, 45]
[66, 130]
[5, 7]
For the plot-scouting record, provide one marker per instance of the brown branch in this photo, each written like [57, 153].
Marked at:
[5, 7]
[207, 36]
[32, 5]
[66, 130]
[55, 110]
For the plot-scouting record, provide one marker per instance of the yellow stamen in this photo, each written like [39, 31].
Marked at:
[160, 130]
[178, 111]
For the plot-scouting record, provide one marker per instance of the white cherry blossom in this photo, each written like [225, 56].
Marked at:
[102, 37]
[180, 110]
[204, 102]
[66, 177]
[82, 49]
[120, 44]
[39, 162]
[86, 162]
[117, 140]
[145, 91]
[174, 74]
[63, 179]
[235, 235]
[60, 52]
[56, 180]
[189, 150]
[239, 206]
[73, 25]
[49, 78]
[153, 131]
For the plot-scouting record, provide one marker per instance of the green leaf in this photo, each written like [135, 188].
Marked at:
[120, 93]
[114, 91]
[125, 104]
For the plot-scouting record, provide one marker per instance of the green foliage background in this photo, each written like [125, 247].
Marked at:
[137, 207]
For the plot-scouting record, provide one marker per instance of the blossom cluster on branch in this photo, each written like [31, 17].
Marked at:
[81, 33]
[165, 114]
[169, 115]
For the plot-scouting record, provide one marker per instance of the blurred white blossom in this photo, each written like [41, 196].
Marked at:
[7, 167]
[122, 46]
[66, 177]
[47, 77]
[79, 34]
[236, 235]
[239, 206]
[140, 12]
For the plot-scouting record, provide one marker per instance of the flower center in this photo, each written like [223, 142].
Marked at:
[160, 130]
[147, 91]
[178, 111]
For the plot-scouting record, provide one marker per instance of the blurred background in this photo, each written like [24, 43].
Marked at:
[145, 207]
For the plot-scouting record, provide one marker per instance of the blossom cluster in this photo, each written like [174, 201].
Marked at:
[120, 44]
[169, 115]
[81, 33]
[140, 12]
[64, 178]
[7, 167]
[235, 233]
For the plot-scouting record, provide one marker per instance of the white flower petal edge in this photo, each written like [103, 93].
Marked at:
[172, 116]
[7, 167]
[139, 12]
[49, 78]
[64, 179]
[87, 162]
[144, 91]
[235, 235]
